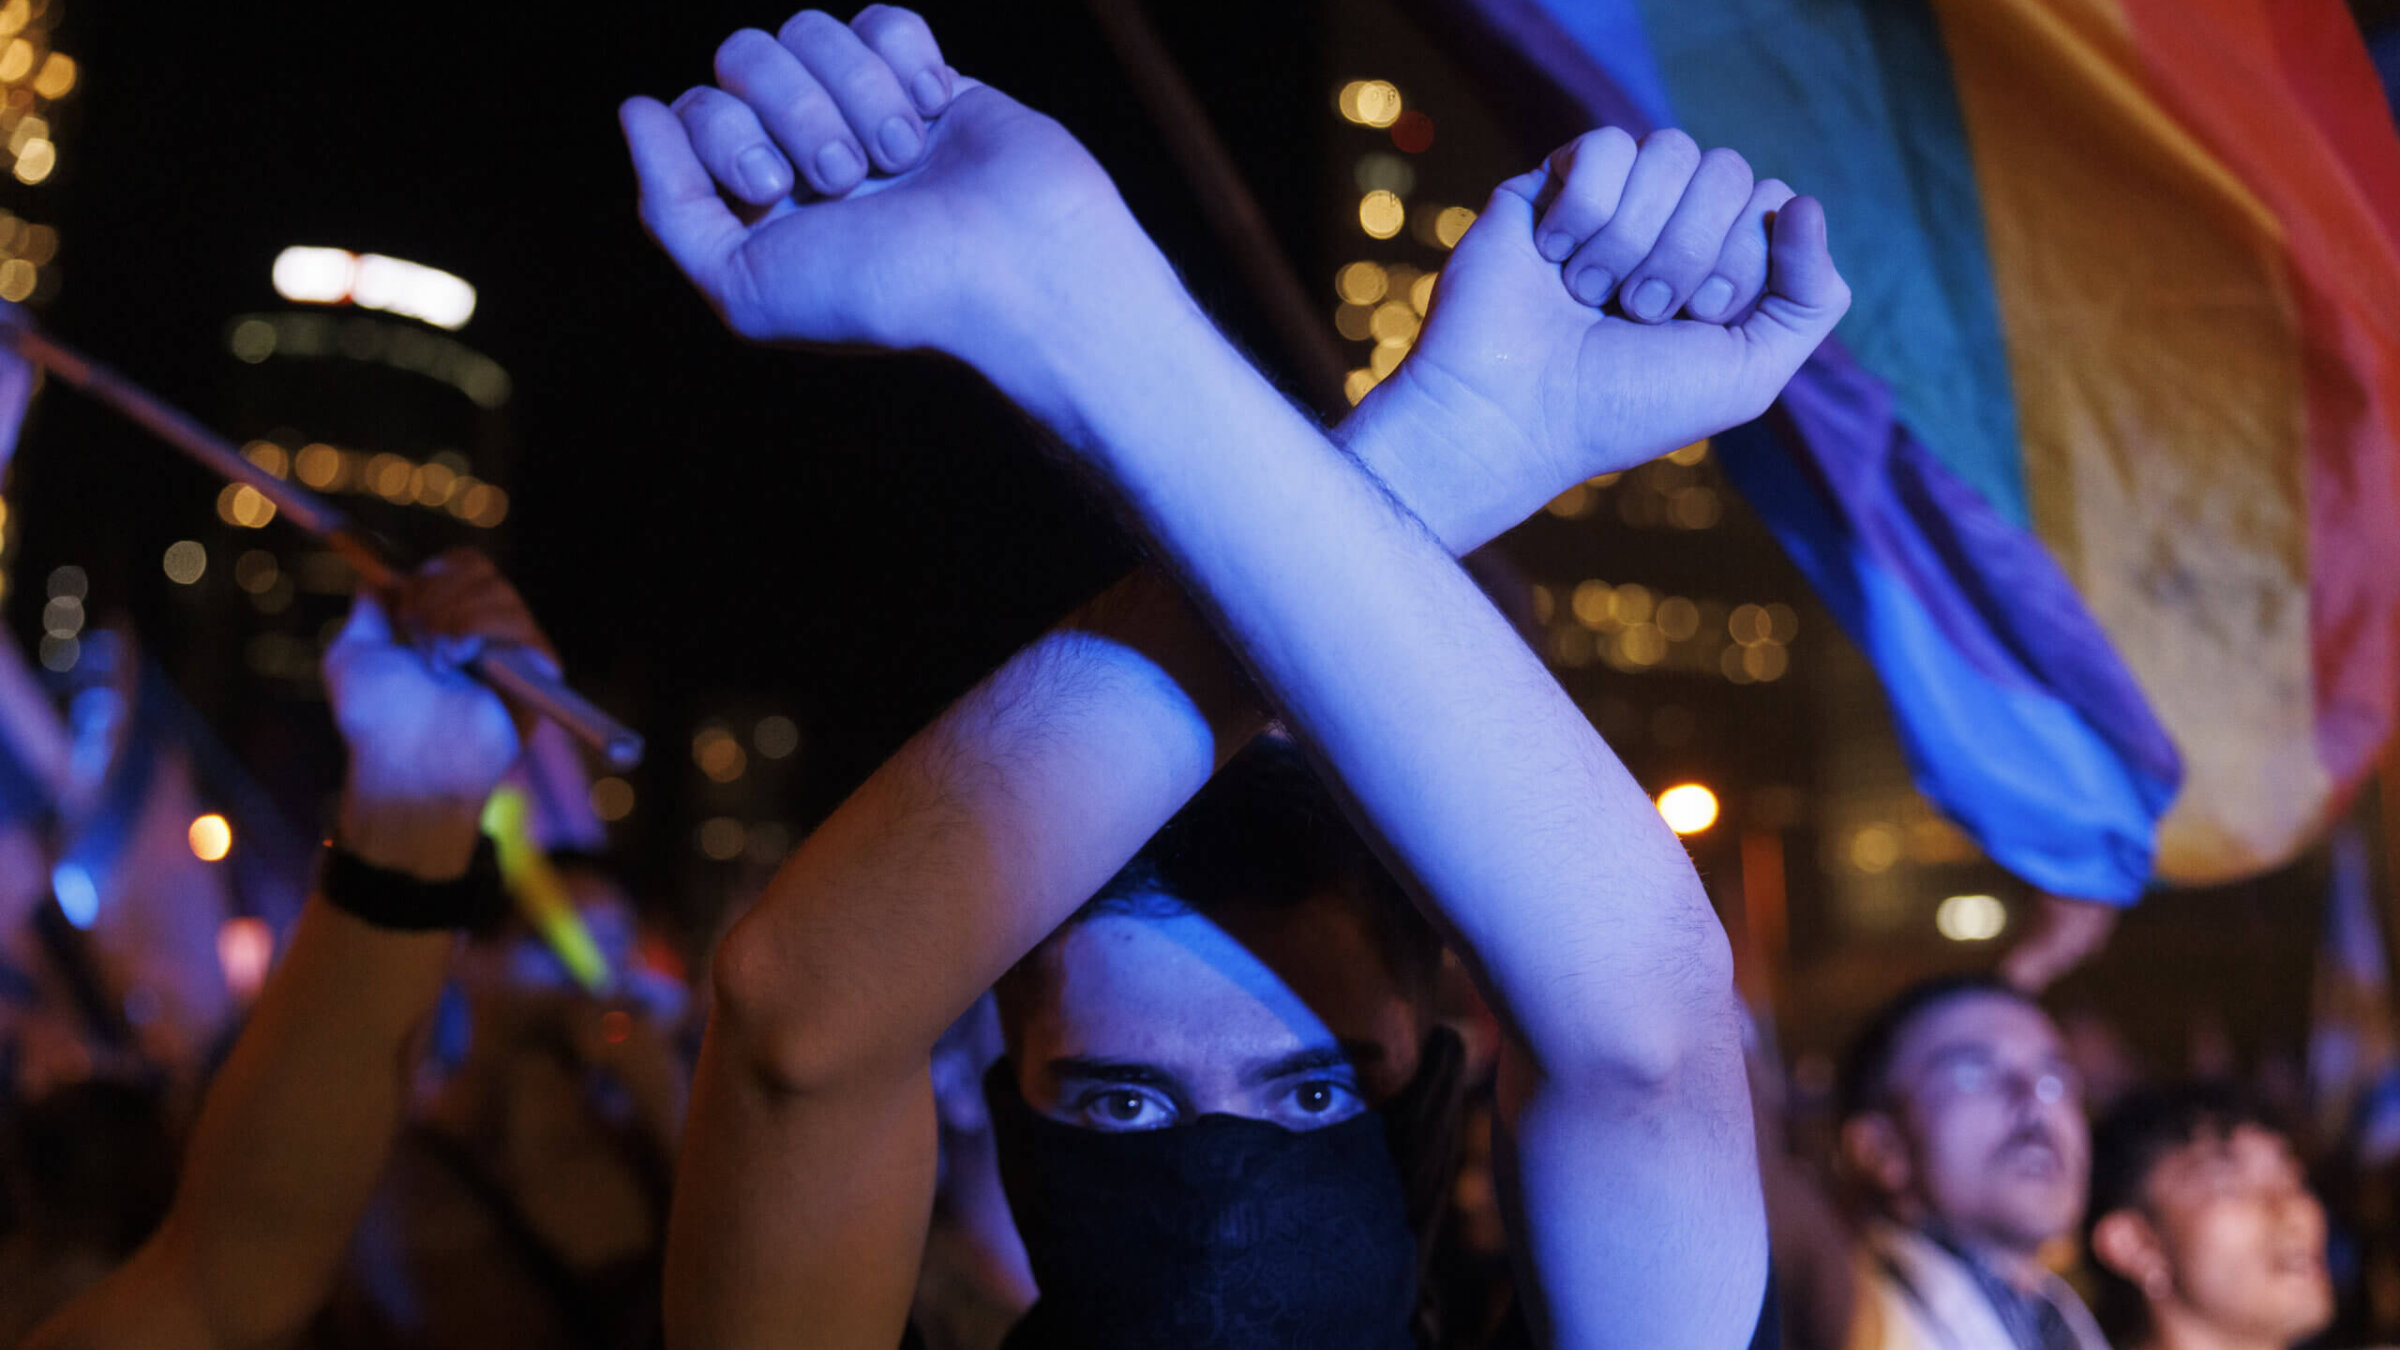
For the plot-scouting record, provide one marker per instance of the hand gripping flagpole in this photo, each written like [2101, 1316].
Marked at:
[516, 673]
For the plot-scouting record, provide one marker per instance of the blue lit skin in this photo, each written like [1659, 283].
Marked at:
[1146, 1022]
[1986, 1135]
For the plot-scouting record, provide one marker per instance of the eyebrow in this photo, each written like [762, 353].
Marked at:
[1089, 1068]
[1317, 1060]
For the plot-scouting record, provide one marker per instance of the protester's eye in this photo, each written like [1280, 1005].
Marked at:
[1318, 1102]
[1970, 1077]
[1125, 1108]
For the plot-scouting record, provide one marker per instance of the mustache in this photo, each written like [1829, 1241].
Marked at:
[2032, 1134]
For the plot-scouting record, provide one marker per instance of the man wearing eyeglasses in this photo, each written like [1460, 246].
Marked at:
[1963, 1123]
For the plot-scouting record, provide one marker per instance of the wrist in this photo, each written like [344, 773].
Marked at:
[1064, 342]
[428, 837]
[1449, 455]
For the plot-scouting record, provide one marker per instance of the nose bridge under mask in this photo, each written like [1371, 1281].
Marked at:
[1224, 1232]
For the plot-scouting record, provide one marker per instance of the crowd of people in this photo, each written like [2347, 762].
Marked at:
[1270, 954]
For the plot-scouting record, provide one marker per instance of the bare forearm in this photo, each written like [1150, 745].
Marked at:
[297, 1125]
[984, 833]
[1445, 730]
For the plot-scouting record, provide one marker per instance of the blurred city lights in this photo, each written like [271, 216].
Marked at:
[1452, 225]
[1875, 848]
[211, 837]
[332, 276]
[717, 754]
[1688, 807]
[1361, 283]
[57, 76]
[243, 505]
[1970, 918]
[776, 737]
[722, 838]
[612, 799]
[1369, 103]
[245, 949]
[1412, 131]
[1381, 214]
[186, 560]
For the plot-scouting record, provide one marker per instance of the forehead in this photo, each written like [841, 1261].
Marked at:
[2247, 1145]
[1993, 1024]
[1164, 989]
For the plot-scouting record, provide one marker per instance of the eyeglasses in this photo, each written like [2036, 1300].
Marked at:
[1973, 1076]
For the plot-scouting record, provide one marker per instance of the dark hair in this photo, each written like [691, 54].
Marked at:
[2127, 1146]
[1865, 1081]
[1266, 833]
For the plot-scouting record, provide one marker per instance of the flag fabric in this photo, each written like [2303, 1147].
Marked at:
[2107, 440]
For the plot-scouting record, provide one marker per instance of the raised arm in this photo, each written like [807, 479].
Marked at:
[297, 1124]
[809, 1167]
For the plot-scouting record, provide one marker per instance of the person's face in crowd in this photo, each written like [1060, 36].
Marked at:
[1984, 1133]
[1140, 1021]
[2228, 1235]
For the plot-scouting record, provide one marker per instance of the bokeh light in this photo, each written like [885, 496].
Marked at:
[1970, 918]
[1689, 808]
[211, 837]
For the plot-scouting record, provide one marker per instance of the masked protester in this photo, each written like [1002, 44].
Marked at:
[1963, 1122]
[1202, 1101]
[2203, 1231]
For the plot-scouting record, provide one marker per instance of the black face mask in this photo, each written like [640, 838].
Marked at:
[1224, 1232]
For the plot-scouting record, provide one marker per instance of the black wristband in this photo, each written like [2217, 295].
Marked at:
[380, 896]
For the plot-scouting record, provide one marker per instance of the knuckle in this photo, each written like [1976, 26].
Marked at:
[1681, 257]
[1726, 164]
[740, 52]
[1611, 143]
[882, 23]
[1673, 143]
[1774, 189]
[809, 28]
[867, 81]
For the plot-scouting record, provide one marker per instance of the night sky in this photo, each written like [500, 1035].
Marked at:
[853, 540]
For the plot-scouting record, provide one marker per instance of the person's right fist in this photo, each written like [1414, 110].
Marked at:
[419, 727]
[842, 185]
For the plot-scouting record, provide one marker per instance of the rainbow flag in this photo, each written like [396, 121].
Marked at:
[2101, 475]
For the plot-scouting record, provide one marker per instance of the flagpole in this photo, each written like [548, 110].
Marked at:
[1232, 209]
[518, 674]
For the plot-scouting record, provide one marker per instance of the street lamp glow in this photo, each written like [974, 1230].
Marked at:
[1970, 918]
[1688, 807]
[333, 276]
[211, 838]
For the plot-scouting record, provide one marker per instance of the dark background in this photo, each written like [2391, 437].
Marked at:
[852, 540]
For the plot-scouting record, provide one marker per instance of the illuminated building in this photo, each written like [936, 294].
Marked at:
[357, 390]
[35, 77]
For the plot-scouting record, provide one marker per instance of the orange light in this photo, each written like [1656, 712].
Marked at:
[212, 838]
[1688, 807]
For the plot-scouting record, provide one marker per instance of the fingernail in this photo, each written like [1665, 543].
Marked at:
[1713, 295]
[1556, 245]
[838, 166]
[1591, 284]
[900, 140]
[1650, 299]
[927, 90]
[762, 174]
